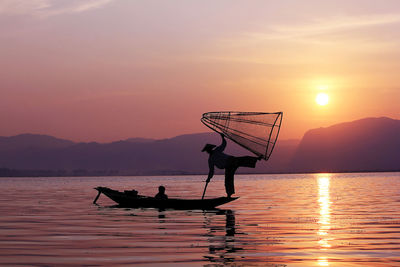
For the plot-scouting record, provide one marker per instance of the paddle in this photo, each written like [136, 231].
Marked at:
[204, 192]
[98, 195]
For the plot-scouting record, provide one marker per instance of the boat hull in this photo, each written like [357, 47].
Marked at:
[127, 200]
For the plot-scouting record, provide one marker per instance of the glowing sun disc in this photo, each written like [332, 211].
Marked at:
[322, 99]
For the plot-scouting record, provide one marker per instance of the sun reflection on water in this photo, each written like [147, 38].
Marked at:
[322, 261]
[324, 215]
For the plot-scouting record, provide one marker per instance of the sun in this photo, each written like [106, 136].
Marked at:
[322, 99]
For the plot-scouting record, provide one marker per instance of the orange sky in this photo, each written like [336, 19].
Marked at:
[110, 69]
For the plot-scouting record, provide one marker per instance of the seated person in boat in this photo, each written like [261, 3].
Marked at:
[161, 193]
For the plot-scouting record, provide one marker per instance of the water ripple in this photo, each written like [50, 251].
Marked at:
[280, 220]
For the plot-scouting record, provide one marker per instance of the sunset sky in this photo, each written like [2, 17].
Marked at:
[105, 70]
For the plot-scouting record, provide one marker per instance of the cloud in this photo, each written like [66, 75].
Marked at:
[46, 8]
[325, 26]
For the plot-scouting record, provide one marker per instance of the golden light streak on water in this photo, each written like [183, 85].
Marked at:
[324, 215]
[322, 261]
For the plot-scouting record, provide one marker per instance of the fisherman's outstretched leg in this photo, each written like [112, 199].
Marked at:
[247, 161]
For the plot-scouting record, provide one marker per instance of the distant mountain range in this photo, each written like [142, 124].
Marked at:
[371, 144]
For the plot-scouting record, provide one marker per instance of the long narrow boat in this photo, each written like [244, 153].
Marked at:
[126, 199]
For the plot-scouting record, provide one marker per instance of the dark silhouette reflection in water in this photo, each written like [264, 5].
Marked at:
[161, 219]
[202, 236]
[208, 238]
[222, 246]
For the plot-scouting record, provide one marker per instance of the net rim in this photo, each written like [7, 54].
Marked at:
[205, 118]
[242, 113]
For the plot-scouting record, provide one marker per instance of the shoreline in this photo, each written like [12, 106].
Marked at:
[13, 173]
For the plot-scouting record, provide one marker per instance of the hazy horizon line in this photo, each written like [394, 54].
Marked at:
[170, 137]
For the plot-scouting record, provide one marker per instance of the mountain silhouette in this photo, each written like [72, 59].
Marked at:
[140, 140]
[371, 144]
[135, 156]
[31, 141]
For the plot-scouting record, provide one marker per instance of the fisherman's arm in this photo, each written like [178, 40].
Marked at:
[223, 144]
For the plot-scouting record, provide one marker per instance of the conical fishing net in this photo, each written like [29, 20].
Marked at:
[255, 131]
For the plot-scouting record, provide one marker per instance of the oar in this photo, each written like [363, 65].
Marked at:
[98, 195]
[204, 192]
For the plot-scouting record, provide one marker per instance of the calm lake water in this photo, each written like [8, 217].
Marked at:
[279, 220]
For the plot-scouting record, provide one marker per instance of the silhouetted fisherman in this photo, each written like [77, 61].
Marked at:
[227, 162]
[161, 193]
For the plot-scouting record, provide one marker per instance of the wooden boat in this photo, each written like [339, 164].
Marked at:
[131, 200]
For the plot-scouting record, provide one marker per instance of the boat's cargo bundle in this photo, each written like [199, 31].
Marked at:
[255, 131]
